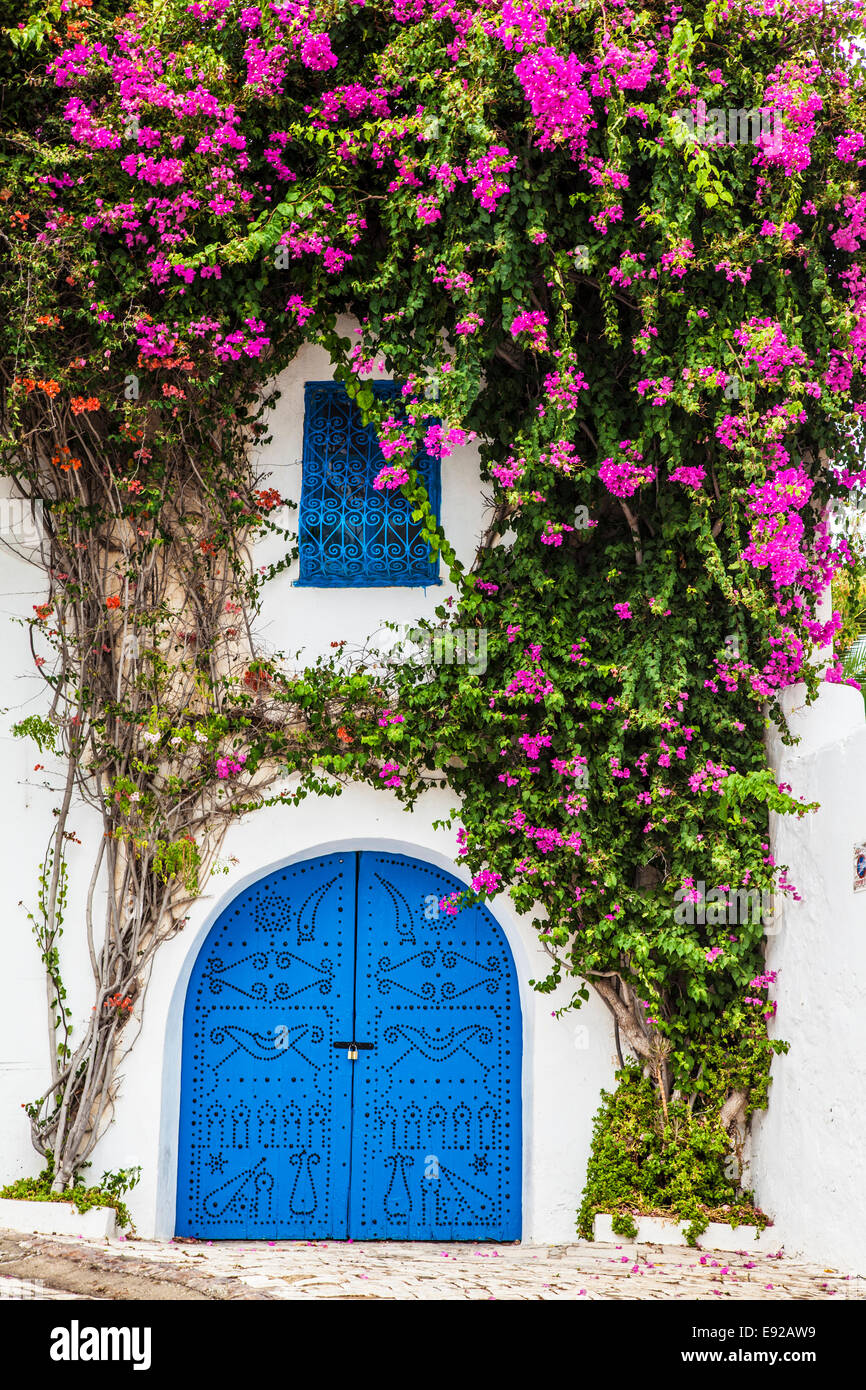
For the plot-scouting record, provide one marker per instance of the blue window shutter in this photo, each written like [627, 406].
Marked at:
[350, 534]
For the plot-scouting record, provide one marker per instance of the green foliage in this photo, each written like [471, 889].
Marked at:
[849, 597]
[645, 1163]
[177, 859]
[41, 730]
[108, 1192]
[623, 1224]
[47, 927]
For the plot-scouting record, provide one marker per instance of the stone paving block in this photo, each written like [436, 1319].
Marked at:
[582, 1271]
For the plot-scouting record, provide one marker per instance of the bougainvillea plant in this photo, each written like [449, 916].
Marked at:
[620, 250]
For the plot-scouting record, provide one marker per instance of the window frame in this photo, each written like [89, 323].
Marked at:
[312, 466]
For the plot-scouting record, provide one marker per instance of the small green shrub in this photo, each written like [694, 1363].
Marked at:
[109, 1192]
[674, 1166]
[623, 1224]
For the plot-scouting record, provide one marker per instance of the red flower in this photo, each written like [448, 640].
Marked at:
[268, 499]
[255, 678]
[113, 601]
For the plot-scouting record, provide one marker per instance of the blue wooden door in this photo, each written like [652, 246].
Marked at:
[436, 1137]
[265, 1109]
[282, 1135]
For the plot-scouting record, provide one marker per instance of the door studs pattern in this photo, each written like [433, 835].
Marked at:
[412, 1130]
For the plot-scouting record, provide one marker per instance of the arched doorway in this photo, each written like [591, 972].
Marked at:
[351, 1061]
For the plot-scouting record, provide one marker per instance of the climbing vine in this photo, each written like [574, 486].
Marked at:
[621, 251]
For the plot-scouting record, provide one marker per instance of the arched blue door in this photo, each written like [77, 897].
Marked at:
[284, 1131]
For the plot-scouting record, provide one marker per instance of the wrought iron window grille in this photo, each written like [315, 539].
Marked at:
[350, 534]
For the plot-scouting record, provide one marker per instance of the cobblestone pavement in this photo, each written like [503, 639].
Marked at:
[336, 1270]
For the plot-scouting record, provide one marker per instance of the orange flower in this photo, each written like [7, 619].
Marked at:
[344, 736]
[154, 363]
[116, 1001]
[80, 404]
[50, 386]
[42, 610]
[48, 320]
[113, 601]
[255, 678]
[269, 498]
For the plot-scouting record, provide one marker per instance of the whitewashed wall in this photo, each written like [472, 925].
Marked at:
[807, 1165]
[26, 802]
[310, 619]
[559, 1058]
[808, 1146]
[565, 1063]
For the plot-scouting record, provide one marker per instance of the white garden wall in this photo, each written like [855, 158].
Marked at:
[808, 1146]
[29, 792]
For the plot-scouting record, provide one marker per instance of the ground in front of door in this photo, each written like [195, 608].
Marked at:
[54, 1267]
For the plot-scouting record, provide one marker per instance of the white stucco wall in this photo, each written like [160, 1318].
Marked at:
[806, 1152]
[807, 1164]
[565, 1063]
[572, 1057]
[308, 619]
[28, 796]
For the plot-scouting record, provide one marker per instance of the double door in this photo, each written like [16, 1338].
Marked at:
[351, 1062]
